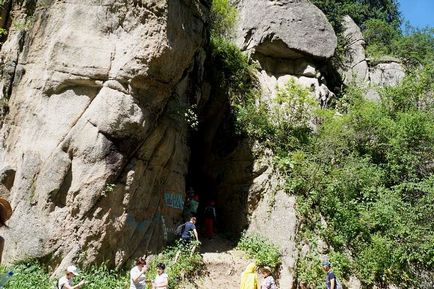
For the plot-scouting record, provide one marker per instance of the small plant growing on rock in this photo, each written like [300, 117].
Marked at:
[259, 248]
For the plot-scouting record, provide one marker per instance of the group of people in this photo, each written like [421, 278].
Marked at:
[250, 279]
[137, 277]
[207, 213]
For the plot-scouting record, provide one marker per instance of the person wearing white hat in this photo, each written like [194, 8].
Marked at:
[66, 281]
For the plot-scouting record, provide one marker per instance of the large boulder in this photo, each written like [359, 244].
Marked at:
[355, 66]
[285, 29]
[386, 72]
[92, 139]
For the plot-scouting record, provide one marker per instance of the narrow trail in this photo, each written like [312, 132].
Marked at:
[224, 265]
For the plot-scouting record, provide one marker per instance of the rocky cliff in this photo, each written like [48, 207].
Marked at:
[94, 137]
[95, 148]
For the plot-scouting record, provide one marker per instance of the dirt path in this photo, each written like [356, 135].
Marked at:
[224, 265]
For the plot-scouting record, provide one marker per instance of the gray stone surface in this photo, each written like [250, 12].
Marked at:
[386, 73]
[285, 29]
[355, 66]
[89, 137]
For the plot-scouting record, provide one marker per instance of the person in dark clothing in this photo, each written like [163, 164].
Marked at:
[189, 231]
[210, 219]
[330, 278]
[187, 235]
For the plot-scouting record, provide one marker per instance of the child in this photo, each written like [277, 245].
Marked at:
[161, 281]
[66, 281]
[268, 282]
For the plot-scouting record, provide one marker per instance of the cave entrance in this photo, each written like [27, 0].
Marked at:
[221, 165]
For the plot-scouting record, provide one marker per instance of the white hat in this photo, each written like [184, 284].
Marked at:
[72, 269]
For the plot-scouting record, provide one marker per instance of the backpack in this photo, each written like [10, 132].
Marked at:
[179, 230]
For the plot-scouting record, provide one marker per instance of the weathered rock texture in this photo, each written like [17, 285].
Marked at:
[285, 29]
[386, 72]
[359, 70]
[355, 66]
[288, 40]
[94, 136]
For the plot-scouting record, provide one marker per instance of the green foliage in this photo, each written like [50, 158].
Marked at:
[32, 275]
[223, 18]
[368, 173]
[259, 248]
[233, 72]
[187, 266]
[414, 48]
[379, 34]
[101, 277]
[282, 123]
[360, 10]
[29, 275]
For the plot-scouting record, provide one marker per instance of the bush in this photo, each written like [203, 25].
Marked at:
[223, 18]
[32, 274]
[368, 173]
[283, 123]
[187, 265]
[260, 249]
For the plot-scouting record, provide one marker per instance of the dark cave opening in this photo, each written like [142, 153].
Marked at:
[221, 166]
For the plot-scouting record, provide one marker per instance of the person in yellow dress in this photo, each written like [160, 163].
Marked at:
[249, 278]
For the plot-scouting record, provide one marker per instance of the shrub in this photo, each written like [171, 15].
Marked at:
[187, 265]
[368, 173]
[31, 274]
[260, 249]
[223, 18]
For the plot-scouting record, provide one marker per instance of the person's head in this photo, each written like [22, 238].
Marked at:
[140, 262]
[326, 265]
[71, 272]
[160, 268]
[5, 211]
[266, 271]
[193, 220]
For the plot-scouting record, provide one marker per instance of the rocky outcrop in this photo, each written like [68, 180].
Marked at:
[95, 136]
[386, 72]
[289, 41]
[285, 29]
[355, 66]
[275, 216]
[359, 70]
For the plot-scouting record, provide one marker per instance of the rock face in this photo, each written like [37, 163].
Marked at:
[285, 29]
[93, 138]
[355, 64]
[386, 72]
[361, 71]
[288, 40]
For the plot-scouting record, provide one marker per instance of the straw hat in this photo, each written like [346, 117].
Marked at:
[5, 208]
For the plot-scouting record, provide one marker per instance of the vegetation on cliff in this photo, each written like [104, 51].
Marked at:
[368, 172]
[381, 22]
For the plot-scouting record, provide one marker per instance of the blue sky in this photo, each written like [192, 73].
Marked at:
[420, 13]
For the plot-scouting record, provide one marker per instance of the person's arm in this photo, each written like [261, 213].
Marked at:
[333, 283]
[195, 234]
[136, 278]
[67, 286]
